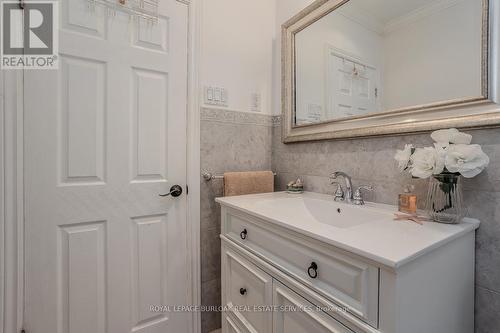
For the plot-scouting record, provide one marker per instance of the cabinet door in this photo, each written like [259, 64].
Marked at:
[296, 315]
[229, 325]
[247, 292]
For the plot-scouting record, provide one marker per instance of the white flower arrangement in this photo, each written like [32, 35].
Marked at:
[452, 153]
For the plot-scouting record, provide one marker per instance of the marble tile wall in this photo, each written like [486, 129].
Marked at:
[370, 161]
[230, 141]
[233, 141]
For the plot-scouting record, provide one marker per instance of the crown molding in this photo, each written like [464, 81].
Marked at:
[419, 14]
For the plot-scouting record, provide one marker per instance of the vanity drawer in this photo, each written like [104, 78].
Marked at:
[344, 279]
[230, 324]
[246, 289]
[308, 320]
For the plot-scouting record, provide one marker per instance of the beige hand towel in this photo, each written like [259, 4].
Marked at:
[239, 183]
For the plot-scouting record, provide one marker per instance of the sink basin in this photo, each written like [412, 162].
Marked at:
[368, 230]
[317, 209]
[340, 215]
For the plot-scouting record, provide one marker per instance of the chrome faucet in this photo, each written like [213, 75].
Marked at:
[350, 196]
[348, 184]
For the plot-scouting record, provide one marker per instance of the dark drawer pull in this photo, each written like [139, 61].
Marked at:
[243, 291]
[243, 234]
[312, 271]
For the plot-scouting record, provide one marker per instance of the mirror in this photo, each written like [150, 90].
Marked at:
[375, 56]
[352, 61]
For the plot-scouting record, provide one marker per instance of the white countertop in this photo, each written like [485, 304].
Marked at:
[369, 231]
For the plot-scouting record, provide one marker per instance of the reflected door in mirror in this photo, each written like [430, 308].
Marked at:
[369, 57]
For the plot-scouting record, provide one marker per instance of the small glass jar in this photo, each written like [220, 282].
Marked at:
[408, 201]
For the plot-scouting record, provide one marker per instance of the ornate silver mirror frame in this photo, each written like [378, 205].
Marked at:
[480, 112]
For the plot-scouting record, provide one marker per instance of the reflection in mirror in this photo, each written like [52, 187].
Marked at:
[375, 56]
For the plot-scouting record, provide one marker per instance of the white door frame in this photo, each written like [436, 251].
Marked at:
[193, 158]
[12, 186]
[12, 220]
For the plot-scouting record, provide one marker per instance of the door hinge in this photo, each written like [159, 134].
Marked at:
[187, 190]
[376, 92]
[21, 5]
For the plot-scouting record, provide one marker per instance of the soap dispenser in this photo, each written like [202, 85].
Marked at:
[408, 200]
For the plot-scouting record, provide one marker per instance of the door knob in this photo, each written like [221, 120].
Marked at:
[243, 234]
[312, 271]
[175, 191]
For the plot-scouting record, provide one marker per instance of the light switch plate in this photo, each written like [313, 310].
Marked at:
[216, 96]
[223, 97]
[209, 94]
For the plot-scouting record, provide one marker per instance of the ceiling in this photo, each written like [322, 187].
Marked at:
[380, 15]
[385, 11]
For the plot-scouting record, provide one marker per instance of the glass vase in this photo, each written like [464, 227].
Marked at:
[444, 202]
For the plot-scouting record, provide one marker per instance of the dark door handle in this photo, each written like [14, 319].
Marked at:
[243, 234]
[312, 271]
[175, 191]
[243, 291]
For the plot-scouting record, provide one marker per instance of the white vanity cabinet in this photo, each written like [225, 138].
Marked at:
[247, 288]
[308, 320]
[286, 271]
[254, 298]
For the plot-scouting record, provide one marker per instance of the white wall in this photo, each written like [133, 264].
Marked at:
[285, 9]
[435, 58]
[237, 49]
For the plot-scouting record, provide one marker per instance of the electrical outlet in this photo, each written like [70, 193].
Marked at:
[255, 102]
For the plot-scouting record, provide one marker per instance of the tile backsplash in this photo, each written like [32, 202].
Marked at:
[230, 141]
[234, 141]
[371, 161]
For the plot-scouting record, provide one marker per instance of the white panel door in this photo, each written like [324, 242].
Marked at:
[105, 135]
[351, 88]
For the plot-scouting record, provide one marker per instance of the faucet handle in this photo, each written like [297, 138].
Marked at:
[339, 193]
[335, 175]
[358, 197]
